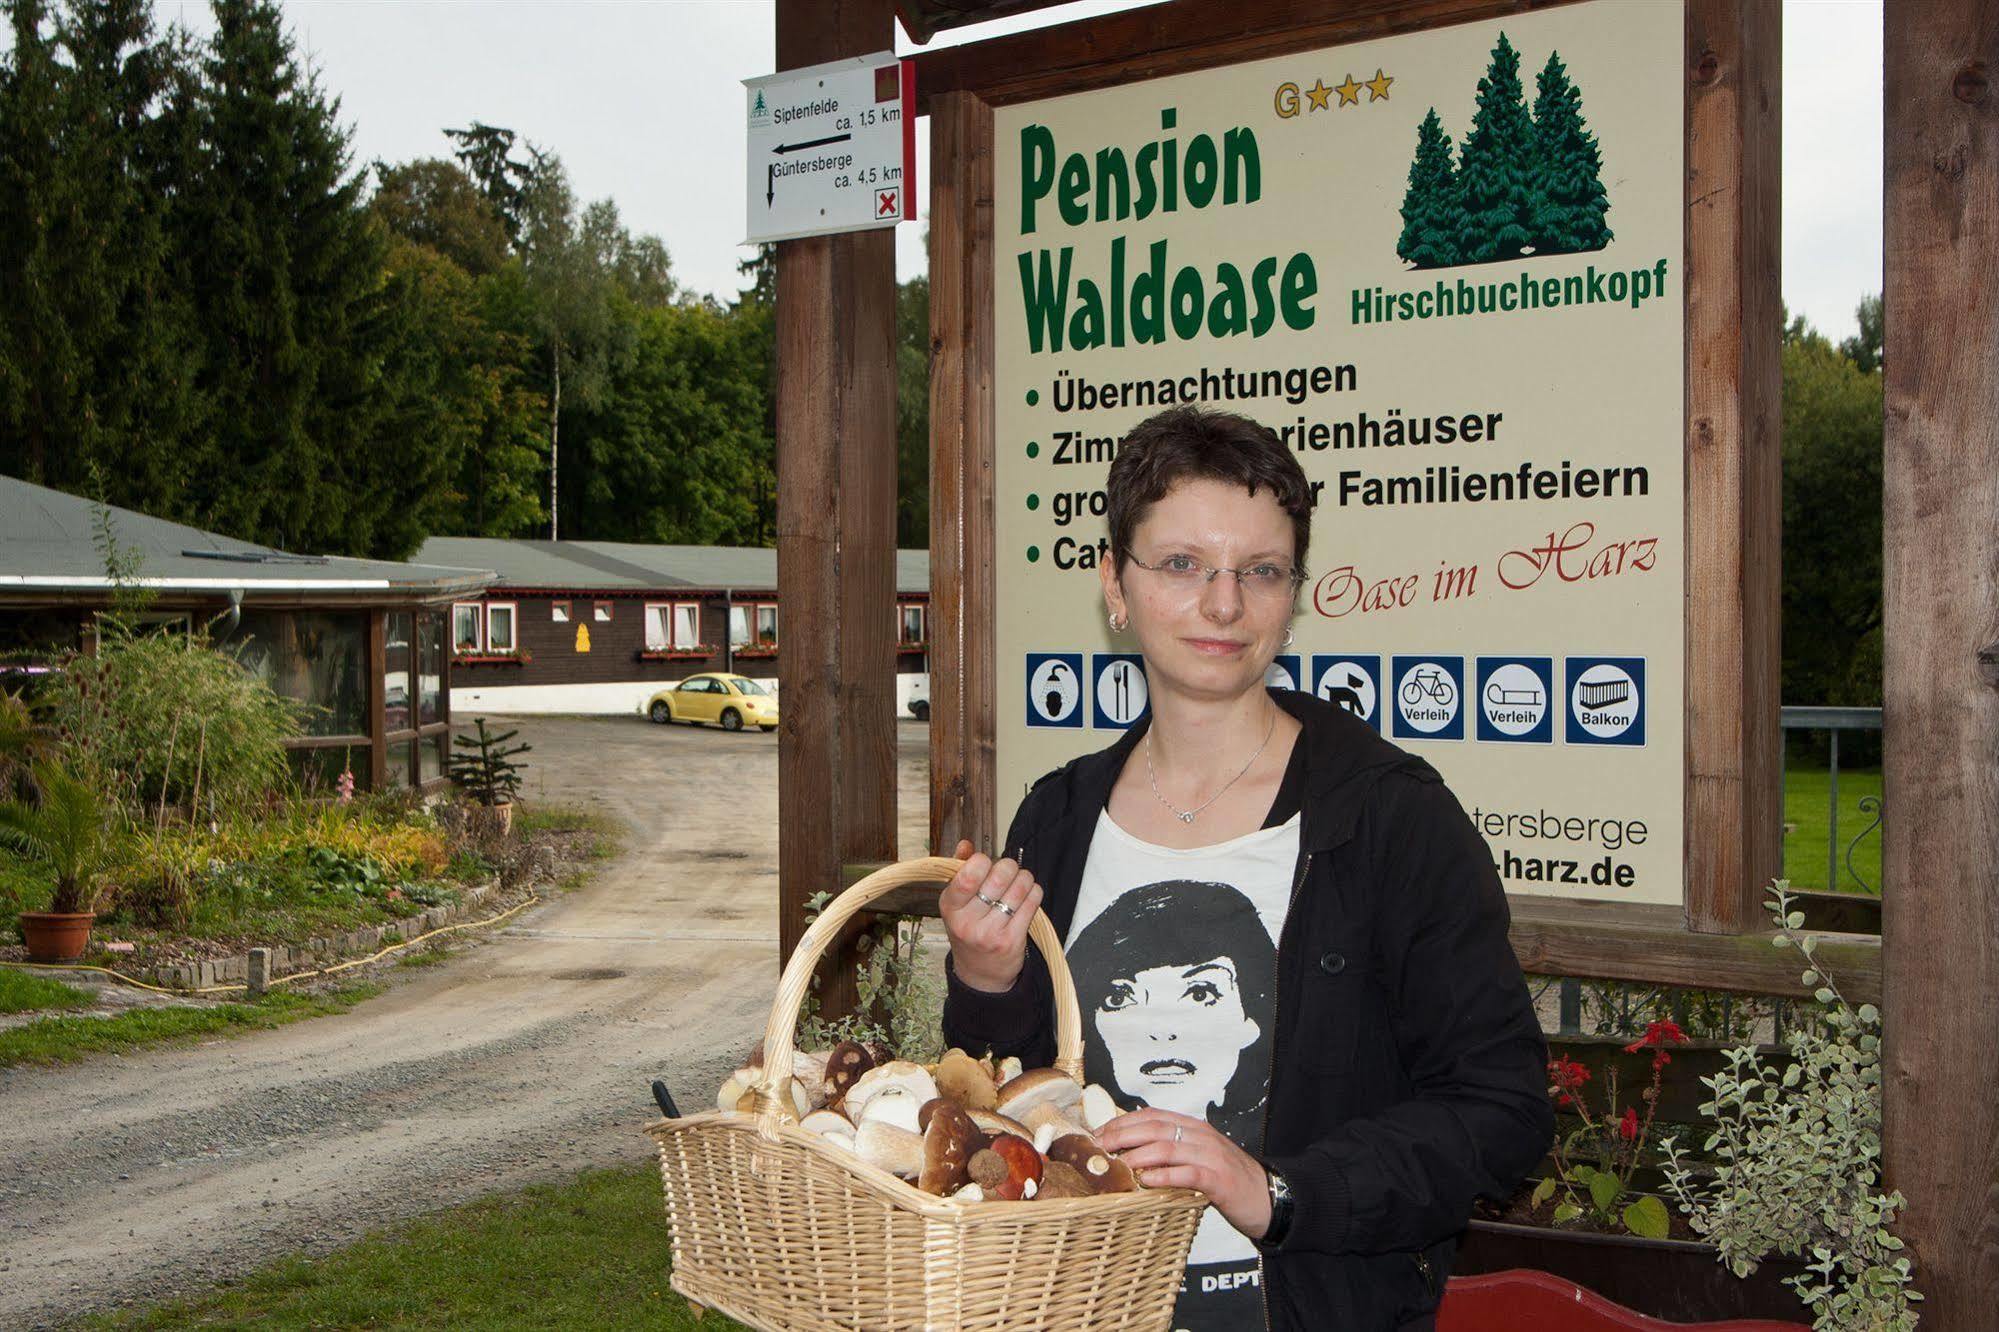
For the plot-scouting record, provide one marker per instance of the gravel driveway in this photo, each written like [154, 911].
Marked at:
[522, 1059]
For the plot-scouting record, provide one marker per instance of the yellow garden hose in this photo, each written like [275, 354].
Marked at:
[120, 976]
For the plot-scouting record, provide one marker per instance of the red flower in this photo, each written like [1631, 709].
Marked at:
[1627, 1128]
[1658, 1033]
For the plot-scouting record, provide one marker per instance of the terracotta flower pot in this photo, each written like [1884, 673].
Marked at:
[56, 936]
[505, 813]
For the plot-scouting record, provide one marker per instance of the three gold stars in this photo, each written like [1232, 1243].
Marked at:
[1319, 97]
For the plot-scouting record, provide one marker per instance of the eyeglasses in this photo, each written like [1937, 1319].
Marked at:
[1265, 578]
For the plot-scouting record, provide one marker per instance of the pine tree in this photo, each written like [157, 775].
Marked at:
[287, 271]
[1497, 172]
[1571, 207]
[1431, 213]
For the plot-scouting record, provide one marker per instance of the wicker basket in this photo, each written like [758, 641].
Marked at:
[782, 1230]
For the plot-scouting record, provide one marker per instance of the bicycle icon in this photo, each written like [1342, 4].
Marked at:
[1429, 682]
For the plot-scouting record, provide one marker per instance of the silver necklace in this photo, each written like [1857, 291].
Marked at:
[1187, 815]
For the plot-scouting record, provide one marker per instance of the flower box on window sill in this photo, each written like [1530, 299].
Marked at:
[756, 650]
[520, 658]
[677, 654]
[921, 645]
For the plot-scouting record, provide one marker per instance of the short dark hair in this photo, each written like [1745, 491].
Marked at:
[1187, 443]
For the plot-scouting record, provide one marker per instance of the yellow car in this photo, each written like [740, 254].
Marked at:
[730, 701]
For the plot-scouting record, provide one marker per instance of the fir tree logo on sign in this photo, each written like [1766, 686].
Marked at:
[1523, 183]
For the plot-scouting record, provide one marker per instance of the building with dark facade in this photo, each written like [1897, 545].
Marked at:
[362, 641]
[600, 626]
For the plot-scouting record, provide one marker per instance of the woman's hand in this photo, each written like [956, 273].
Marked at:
[1201, 1158]
[988, 939]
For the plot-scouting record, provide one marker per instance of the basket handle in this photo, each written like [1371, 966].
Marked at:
[797, 978]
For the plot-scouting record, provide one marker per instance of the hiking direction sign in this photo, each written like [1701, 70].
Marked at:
[831, 148]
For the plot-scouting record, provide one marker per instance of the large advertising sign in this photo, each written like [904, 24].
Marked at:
[1446, 268]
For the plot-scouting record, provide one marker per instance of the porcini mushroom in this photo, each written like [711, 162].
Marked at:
[893, 1149]
[892, 1105]
[960, 1077]
[1103, 1172]
[896, 1073]
[949, 1140]
[844, 1065]
[1040, 1086]
[1063, 1181]
[1098, 1107]
[1005, 1167]
[992, 1122]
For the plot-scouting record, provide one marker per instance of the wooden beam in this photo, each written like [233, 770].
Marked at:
[1940, 592]
[1734, 796]
[836, 532]
[378, 721]
[963, 707]
[1173, 38]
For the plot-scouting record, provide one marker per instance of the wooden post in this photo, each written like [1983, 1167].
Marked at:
[1734, 800]
[378, 669]
[962, 701]
[835, 530]
[1940, 586]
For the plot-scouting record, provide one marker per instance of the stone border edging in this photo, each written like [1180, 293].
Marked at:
[288, 958]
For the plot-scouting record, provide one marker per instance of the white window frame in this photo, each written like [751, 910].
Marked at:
[664, 642]
[558, 612]
[513, 610]
[600, 612]
[756, 626]
[478, 610]
[922, 622]
[742, 609]
[695, 642]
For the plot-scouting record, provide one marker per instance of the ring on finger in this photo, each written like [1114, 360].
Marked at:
[1176, 1133]
[989, 901]
[1005, 907]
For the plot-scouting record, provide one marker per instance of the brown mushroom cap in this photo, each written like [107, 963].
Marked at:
[992, 1122]
[960, 1077]
[1063, 1181]
[949, 1139]
[1023, 1166]
[844, 1066]
[1041, 1086]
[1103, 1172]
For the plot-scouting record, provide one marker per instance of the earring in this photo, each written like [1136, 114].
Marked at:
[1117, 625]
[1289, 637]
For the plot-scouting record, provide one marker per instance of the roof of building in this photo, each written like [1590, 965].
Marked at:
[48, 546]
[627, 566]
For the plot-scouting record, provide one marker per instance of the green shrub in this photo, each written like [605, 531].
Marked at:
[163, 718]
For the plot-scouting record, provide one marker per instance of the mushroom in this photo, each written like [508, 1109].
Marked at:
[893, 1105]
[1063, 1181]
[826, 1122]
[810, 1069]
[896, 1073]
[948, 1143]
[1103, 1172]
[844, 1064]
[893, 1149]
[970, 1193]
[879, 1053]
[992, 1123]
[960, 1077]
[1062, 1122]
[735, 1085]
[1098, 1107]
[1041, 1086]
[1006, 1167]
[1009, 1069]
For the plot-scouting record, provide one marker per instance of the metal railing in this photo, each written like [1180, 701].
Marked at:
[1835, 721]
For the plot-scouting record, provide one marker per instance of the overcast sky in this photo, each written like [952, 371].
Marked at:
[643, 102]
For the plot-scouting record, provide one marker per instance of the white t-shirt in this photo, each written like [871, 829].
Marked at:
[1174, 955]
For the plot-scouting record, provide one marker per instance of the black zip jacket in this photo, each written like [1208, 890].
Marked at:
[1408, 1072]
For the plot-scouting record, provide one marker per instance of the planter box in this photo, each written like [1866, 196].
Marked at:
[1670, 1279]
[1526, 1299]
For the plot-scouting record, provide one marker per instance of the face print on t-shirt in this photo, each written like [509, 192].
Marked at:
[1174, 979]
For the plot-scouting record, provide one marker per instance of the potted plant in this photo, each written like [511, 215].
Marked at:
[72, 830]
[1799, 1155]
[485, 770]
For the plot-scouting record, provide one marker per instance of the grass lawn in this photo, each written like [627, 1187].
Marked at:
[1807, 805]
[25, 992]
[589, 1253]
[58, 1040]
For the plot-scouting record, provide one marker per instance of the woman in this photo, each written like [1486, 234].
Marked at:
[1341, 1110]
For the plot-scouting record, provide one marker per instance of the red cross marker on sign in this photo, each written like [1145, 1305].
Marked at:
[886, 204]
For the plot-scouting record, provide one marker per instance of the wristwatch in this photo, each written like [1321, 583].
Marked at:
[1280, 1208]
